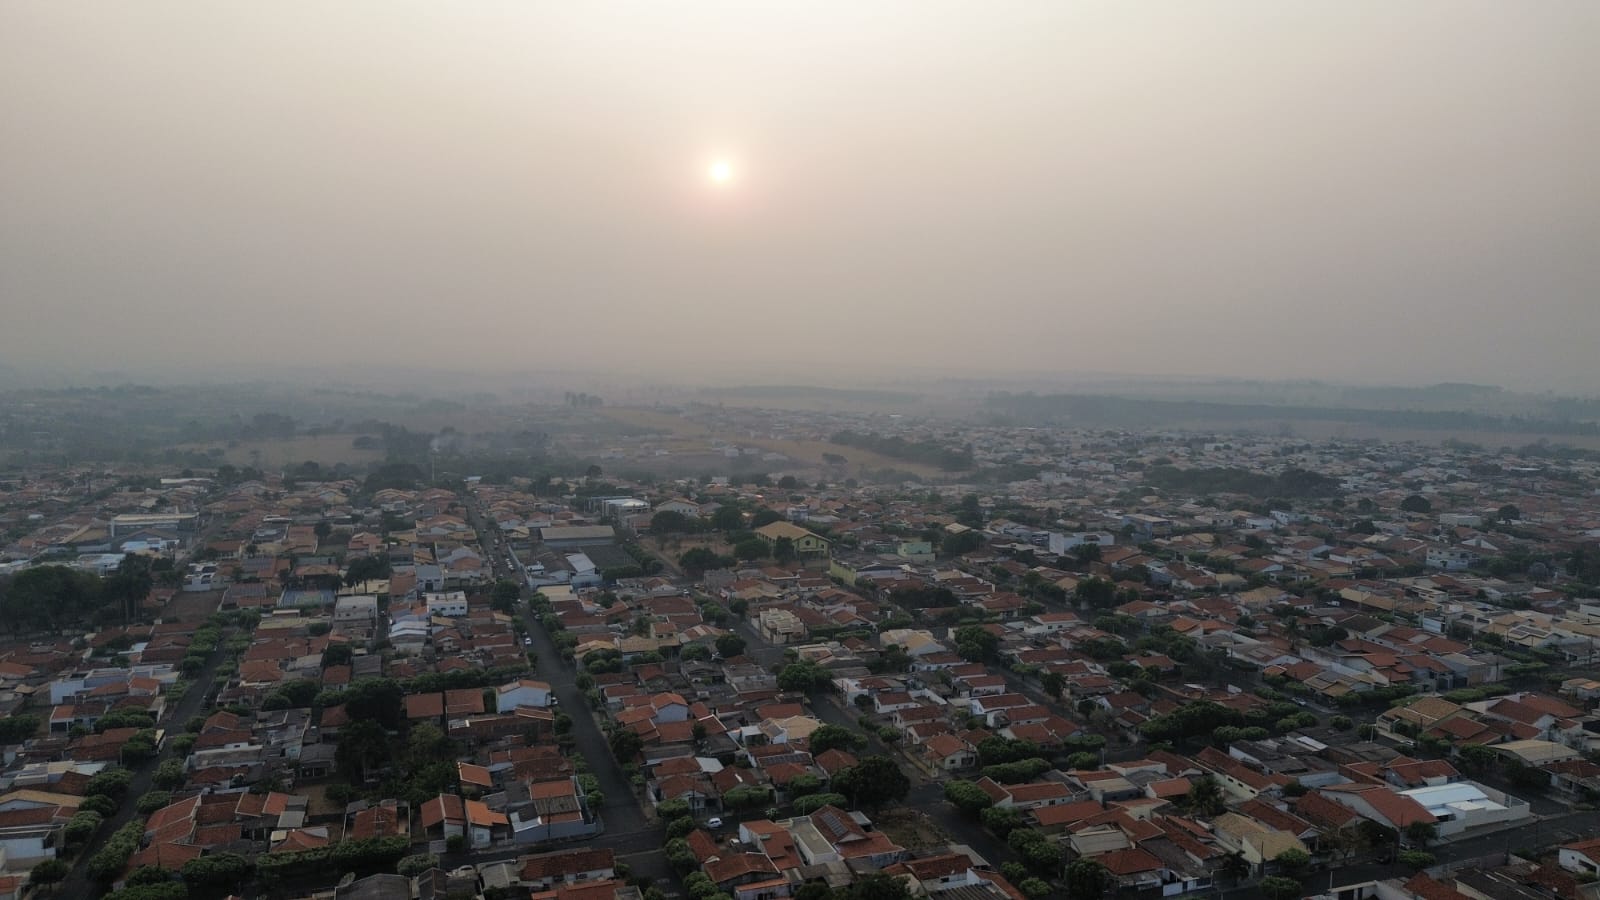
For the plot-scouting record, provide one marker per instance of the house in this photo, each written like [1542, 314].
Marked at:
[1257, 841]
[443, 817]
[1133, 868]
[832, 835]
[806, 543]
[545, 871]
[1582, 858]
[949, 753]
[780, 626]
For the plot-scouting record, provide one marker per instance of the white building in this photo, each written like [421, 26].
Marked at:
[450, 603]
[1062, 544]
[1450, 559]
[1462, 805]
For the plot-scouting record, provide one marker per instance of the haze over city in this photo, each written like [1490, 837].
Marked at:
[1394, 192]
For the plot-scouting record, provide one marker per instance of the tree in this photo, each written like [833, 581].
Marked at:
[1342, 842]
[977, 644]
[1096, 593]
[877, 886]
[82, 826]
[625, 745]
[698, 560]
[783, 549]
[1234, 867]
[750, 548]
[1416, 859]
[803, 676]
[745, 797]
[152, 801]
[803, 786]
[339, 654]
[363, 748]
[729, 645]
[415, 864]
[1509, 513]
[1293, 862]
[966, 796]
[112, 783]
[669, 522]
[505, 596]
[1278, 887]
[1053, 682]
[170, 774]
[876, 780]
[1000, 820]
[727, 518]
[668, 810]
[1421, 834]
[830, 737]
[100, 804]
[1034, 888]
[50, 871]
[809, 804]
[218, 871]
[1205, 797]
[1416, 503]
[678, 854]
[1088, 880]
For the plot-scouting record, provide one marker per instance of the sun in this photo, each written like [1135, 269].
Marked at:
[720, 172]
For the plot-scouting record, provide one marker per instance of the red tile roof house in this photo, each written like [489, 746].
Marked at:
[1133, 868]
[547, 870]
[1379, 803]
[443, 817]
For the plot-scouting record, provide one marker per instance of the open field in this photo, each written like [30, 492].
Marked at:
[327, 450]
[695, 435]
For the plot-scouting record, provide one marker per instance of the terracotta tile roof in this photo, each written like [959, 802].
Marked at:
[1129, 862]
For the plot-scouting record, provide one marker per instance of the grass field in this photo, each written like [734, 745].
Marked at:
[694, 435]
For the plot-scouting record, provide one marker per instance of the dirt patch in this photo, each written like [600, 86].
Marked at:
[318, 806]
[910, 828]
[196, 606]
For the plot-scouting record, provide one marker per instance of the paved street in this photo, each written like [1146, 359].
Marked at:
[628, 830]
[78, 883]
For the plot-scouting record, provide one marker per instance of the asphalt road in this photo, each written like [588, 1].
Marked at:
[78, 883]
[628, 830]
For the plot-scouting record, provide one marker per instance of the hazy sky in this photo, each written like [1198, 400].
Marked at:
[1355, 190]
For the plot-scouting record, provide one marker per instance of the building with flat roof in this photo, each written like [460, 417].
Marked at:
[1464, 805]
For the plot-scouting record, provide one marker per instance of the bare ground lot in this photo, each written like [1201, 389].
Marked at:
[910, 828]
[188, 606]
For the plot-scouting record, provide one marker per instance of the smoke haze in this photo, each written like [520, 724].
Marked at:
[1320, 189]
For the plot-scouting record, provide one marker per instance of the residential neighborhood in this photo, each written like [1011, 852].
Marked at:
[1159, 665]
